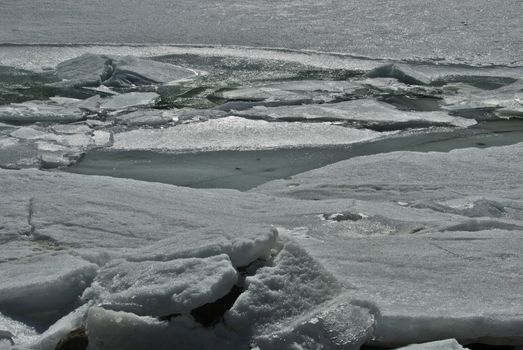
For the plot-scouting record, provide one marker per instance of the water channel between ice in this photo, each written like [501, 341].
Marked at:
[243, 170]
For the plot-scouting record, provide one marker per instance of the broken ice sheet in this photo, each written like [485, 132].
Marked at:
[160, 288]
[293, 92]
[91, 69]
[234, 133]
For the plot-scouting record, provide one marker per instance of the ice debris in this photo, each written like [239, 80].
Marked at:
[293, 92]
[53, 146]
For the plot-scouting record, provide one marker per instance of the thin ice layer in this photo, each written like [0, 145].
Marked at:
[368, 113]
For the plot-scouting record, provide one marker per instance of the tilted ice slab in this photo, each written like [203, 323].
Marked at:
[403, 73]
[447, 344]
[234, 133]
[91, 69]
[368, 113]
[161, 288]
[505, 102]
[294, 92]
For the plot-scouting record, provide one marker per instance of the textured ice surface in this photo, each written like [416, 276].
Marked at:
[334, 326]
[447, 344]
[477, 31]
[150, 117]
[50, 282]
[269, 297]
[12, 331]
[160, 288]
[367, 113]
[120, 330]
[238, 133]
[50, 338]
[504, 102]
[129, 100]
[91, 69]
